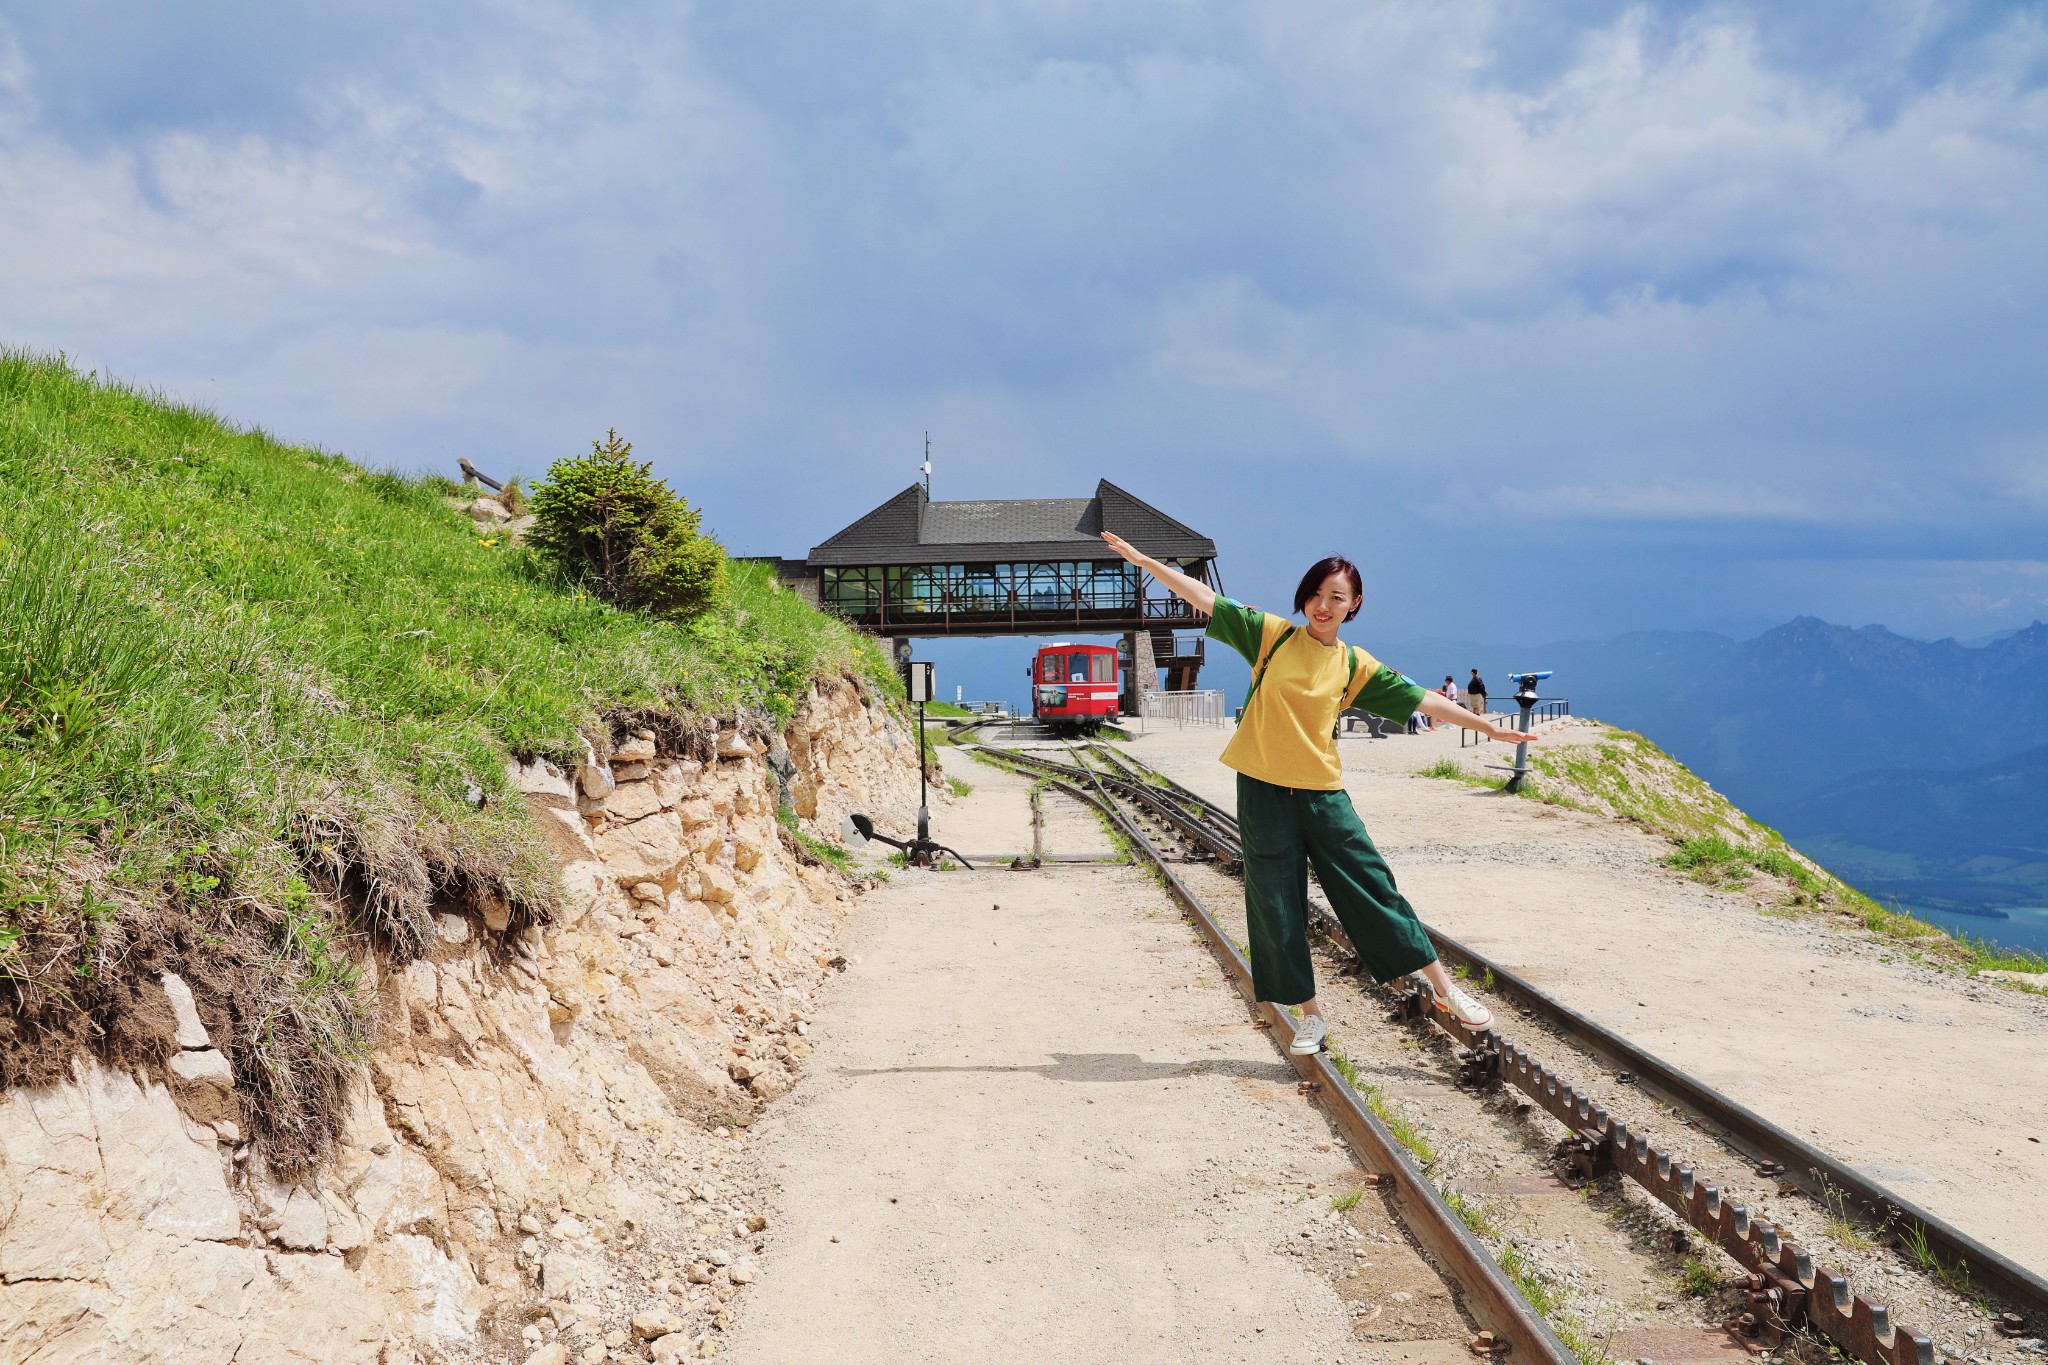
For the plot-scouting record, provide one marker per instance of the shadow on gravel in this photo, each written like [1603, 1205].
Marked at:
[1093, 1067]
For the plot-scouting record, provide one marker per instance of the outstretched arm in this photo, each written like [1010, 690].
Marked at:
[1192, 591]
[1437, 706]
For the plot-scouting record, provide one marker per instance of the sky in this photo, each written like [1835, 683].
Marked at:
[1562, 318]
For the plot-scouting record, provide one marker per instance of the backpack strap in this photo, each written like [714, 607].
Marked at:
[1265, 660]
[1350, 677]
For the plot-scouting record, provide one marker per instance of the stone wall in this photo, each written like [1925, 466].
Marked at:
[544, 1159]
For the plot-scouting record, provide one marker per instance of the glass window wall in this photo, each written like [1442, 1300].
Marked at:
[939, 588]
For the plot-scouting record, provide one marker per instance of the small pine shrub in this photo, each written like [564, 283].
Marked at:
[605, 521]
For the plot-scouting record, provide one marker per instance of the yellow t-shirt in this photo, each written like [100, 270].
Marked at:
[1285, 736]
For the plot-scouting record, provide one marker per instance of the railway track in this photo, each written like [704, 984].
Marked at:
[1788, 1294]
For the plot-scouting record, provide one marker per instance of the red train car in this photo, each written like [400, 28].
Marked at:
[1074, 687]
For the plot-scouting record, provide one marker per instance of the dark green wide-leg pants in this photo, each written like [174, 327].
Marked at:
[1286, 830]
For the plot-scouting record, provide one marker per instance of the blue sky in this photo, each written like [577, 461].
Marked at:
[1561, 318]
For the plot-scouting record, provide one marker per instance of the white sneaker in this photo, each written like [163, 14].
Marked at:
[1464, 1008]
[1309, 1032]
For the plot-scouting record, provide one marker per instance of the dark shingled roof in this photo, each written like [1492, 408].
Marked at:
[909, 530]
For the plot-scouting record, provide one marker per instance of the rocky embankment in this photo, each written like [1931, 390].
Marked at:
[545, 1155]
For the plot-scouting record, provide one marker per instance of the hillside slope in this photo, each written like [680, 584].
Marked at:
[255, 709]
[1791, 724]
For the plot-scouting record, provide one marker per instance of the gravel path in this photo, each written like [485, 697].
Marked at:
[1039, 1126]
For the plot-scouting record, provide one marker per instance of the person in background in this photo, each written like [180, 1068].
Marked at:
[1292, 808]
[1450, 694]
[1475, 694]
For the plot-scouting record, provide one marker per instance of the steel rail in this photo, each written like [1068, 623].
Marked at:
[1222, 847]
[1861, 1328]
[1786, 1290]
[1140, 771]
[1833, 1182]
[1489, 1294]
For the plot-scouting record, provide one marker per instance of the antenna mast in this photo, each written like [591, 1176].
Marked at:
[926, 467]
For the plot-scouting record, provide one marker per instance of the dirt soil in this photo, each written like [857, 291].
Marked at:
[1932, 1083]
[1039, 1126]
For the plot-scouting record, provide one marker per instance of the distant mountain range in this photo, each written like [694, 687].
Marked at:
[1917, 769]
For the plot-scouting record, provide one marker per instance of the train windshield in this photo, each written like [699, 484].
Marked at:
[1101, 667]
[1049, 667]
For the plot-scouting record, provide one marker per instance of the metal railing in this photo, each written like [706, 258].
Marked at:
[1182, 708]
[1550, 708]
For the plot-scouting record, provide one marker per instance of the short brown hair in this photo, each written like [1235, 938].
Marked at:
[1312, 582]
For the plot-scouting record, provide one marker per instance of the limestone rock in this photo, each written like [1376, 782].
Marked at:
[205, 1084]
[637, 748]
[566, 1077]
[203, 1068]
[648, 849]
[633, 801]
[732, 744]
[719, 885]
[655, 1323]
[769, 1083]
[595, 781]
[191, 1033]
[541, 781]
[437, 1300]
[564, 1274]
[303, 1224]
[565, 831]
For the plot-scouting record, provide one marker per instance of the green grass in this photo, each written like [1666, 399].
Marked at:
[1471, 1214]
[959, 786]
[1628, 777]
[1713, 858]
[259, 698]
[945, 710]
[1535, 1287]
[1397, 1124]
[1450, 770]
[1699, 1277]
[1347, 1201]
[838, 858]
[1996, 957]
[1913, 1240]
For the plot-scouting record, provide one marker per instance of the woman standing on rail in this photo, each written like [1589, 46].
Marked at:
[1292, 808]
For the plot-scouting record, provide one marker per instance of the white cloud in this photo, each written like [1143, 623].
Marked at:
[1668, 269]
[1651, 502]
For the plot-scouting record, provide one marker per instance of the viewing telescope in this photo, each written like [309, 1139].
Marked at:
[1526, 698]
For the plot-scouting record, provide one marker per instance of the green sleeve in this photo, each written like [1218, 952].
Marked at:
[1241, 627]
[1390, 694]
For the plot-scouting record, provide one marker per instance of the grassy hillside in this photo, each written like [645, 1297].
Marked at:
[1626, 776]
[255, 703]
